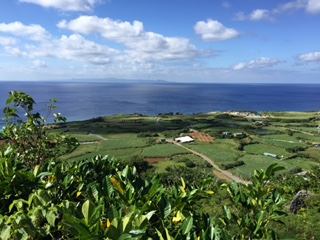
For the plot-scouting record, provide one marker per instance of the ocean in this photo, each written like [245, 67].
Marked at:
[85, 100]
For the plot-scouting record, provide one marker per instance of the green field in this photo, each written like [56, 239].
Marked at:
[120, 136]
[163, 150]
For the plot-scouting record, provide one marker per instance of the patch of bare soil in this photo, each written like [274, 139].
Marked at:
[154, 160]
[202, 137]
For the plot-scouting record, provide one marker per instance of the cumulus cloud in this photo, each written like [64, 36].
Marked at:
[313, 6]
[310, 57]
[255, 15]
[141, 44]
[15, 51]
[108, 28]
[39, 64]
[7, 41]
[212, 30]
[77, 48]
[70, 48]
[257, 63]
[65, 5]
[33, 32]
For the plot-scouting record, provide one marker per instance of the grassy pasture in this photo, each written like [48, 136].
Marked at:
[220, 151]
[262, 148]
[163, 150]
[306, 136]
[86, 138]
[82, 150]
[122, 143]
[314, 154]
[304, 163]
[161, 166]
[253, 162]
[281, 143]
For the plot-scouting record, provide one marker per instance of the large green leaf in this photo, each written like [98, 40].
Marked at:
[187, 225]
[87, 211]
[5, 233]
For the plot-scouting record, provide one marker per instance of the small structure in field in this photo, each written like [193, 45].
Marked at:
[270, 155]
[185, 139]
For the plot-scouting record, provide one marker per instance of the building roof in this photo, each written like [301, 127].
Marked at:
[184, 139]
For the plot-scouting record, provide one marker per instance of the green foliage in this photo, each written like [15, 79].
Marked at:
[101, 198]
[259, 205]
[28, 134]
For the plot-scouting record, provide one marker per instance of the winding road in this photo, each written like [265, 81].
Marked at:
[223, 172]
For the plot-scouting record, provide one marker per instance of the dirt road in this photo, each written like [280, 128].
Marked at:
[226, 174]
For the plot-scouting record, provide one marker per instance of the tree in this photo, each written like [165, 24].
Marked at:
[27, 131]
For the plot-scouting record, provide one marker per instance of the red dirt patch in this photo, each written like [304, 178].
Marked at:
[202, 137]
[154, 160]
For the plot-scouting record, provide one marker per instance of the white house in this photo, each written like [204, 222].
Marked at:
[184, 139]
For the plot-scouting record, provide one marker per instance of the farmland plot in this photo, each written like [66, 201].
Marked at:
[221, 151]
[122, 143]
[262, 148]
[281, 143]
[163, 150]
[253, 162]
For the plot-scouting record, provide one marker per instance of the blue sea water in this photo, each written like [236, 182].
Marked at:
[85, 100]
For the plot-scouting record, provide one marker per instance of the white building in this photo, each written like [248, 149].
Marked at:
[184, 139]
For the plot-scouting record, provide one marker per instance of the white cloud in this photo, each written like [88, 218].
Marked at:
[239, 66]
[34, 32]
[77, 48]
[15, 51]
[65, 5]
[109, 29]
[260, 14]
[313, 6]
[290, 6]
[257, 63]
[142, 45]
[70, 48]
[255, 15]
[214, 31]
[39, 64]
[310, 57]
[7, 41]
[310, 6]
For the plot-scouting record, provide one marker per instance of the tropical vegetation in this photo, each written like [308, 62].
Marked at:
[45, 196]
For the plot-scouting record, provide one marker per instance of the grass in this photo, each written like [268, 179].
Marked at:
[86, 138]
[220, 151]
[281, 143]
[163, 150]
[82, 150]
[304, 163]
[161, 166]
[253, 162]
[122, 143]
[260, 149]
[306, 137]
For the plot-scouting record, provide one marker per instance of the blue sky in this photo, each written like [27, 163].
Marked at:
[224, 41]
